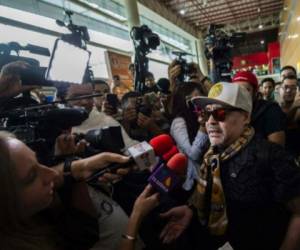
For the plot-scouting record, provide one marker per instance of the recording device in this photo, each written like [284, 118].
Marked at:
[113, 101]
[186, 68]
[169, 176]
[218, 47]
[33, 73]
[143, 154]
[164, 147]
[142, 107]
[107, 139]
[144, 41]
[38, 127]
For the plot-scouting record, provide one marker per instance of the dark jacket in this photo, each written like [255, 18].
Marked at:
[258, 182]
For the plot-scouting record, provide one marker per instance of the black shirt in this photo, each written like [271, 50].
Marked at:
[267, 118]
[258, 182]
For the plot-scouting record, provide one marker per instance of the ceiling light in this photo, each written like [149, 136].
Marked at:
[182, 12]
[258, 10]
[262, 42]
[282, 23]
[298, 18]
[260, 26]
[285, 8]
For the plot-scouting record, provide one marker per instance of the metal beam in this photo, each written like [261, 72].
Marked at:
[231, 20]
[242, 15]
[220, 4]
[225, 11]
[201, 10]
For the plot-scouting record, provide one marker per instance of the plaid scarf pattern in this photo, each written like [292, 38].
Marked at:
[208, 197]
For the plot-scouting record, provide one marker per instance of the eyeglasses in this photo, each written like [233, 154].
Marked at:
[218, 114]
[290, 88]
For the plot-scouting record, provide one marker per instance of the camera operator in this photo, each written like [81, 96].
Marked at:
[138, 118]
[195, 75]
[11, 84]
[149, 82]
[96, 119]
[31, 215]
[110, 106]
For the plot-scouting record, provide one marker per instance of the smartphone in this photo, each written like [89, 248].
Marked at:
[112, 100]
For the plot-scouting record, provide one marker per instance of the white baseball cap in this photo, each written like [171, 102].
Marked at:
[227, 94]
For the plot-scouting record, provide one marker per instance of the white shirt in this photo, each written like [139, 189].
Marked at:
[193, 151]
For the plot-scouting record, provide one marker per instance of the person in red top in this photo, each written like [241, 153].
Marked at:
[267, 117]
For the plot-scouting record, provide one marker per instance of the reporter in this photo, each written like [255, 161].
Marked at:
[10, 79]
[28, 200]
[139, 125]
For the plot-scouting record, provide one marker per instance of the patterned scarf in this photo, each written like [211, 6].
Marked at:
[208, 196]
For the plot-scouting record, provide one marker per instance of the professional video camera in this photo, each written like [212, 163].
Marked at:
[33, 74]
[107, 139]
[39, 125]
[218, 47]
[186, 68]
[144, 41]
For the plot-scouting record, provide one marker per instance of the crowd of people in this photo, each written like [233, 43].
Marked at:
[241, 186]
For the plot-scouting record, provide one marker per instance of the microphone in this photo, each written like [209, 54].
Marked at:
[167, 177]
[172, 151]
[161, 144]
[143, 154]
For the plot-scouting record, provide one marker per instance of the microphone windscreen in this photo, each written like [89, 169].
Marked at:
[161, 144]
[178, 163]
[172, 151]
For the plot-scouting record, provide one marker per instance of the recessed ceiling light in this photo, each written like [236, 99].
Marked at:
[260, 26]
[262, 42]
[258, 10]
[298, 18]
[182, 12]
[285, 8]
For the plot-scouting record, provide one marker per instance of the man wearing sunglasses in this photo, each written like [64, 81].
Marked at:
[267, 118]
[248, 189]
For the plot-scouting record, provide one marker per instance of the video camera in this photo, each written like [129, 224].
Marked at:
[107, 139]
[144, 41]
[218, 47]
[186, 68]
[38, 125]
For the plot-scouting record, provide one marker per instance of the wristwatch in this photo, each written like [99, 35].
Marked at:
[68, 165]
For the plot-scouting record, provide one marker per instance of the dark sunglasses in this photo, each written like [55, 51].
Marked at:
[218, 114]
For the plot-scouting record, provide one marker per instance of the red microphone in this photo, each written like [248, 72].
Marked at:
[168, 176]
[161, 144]
[167, 156]
[178, 163]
